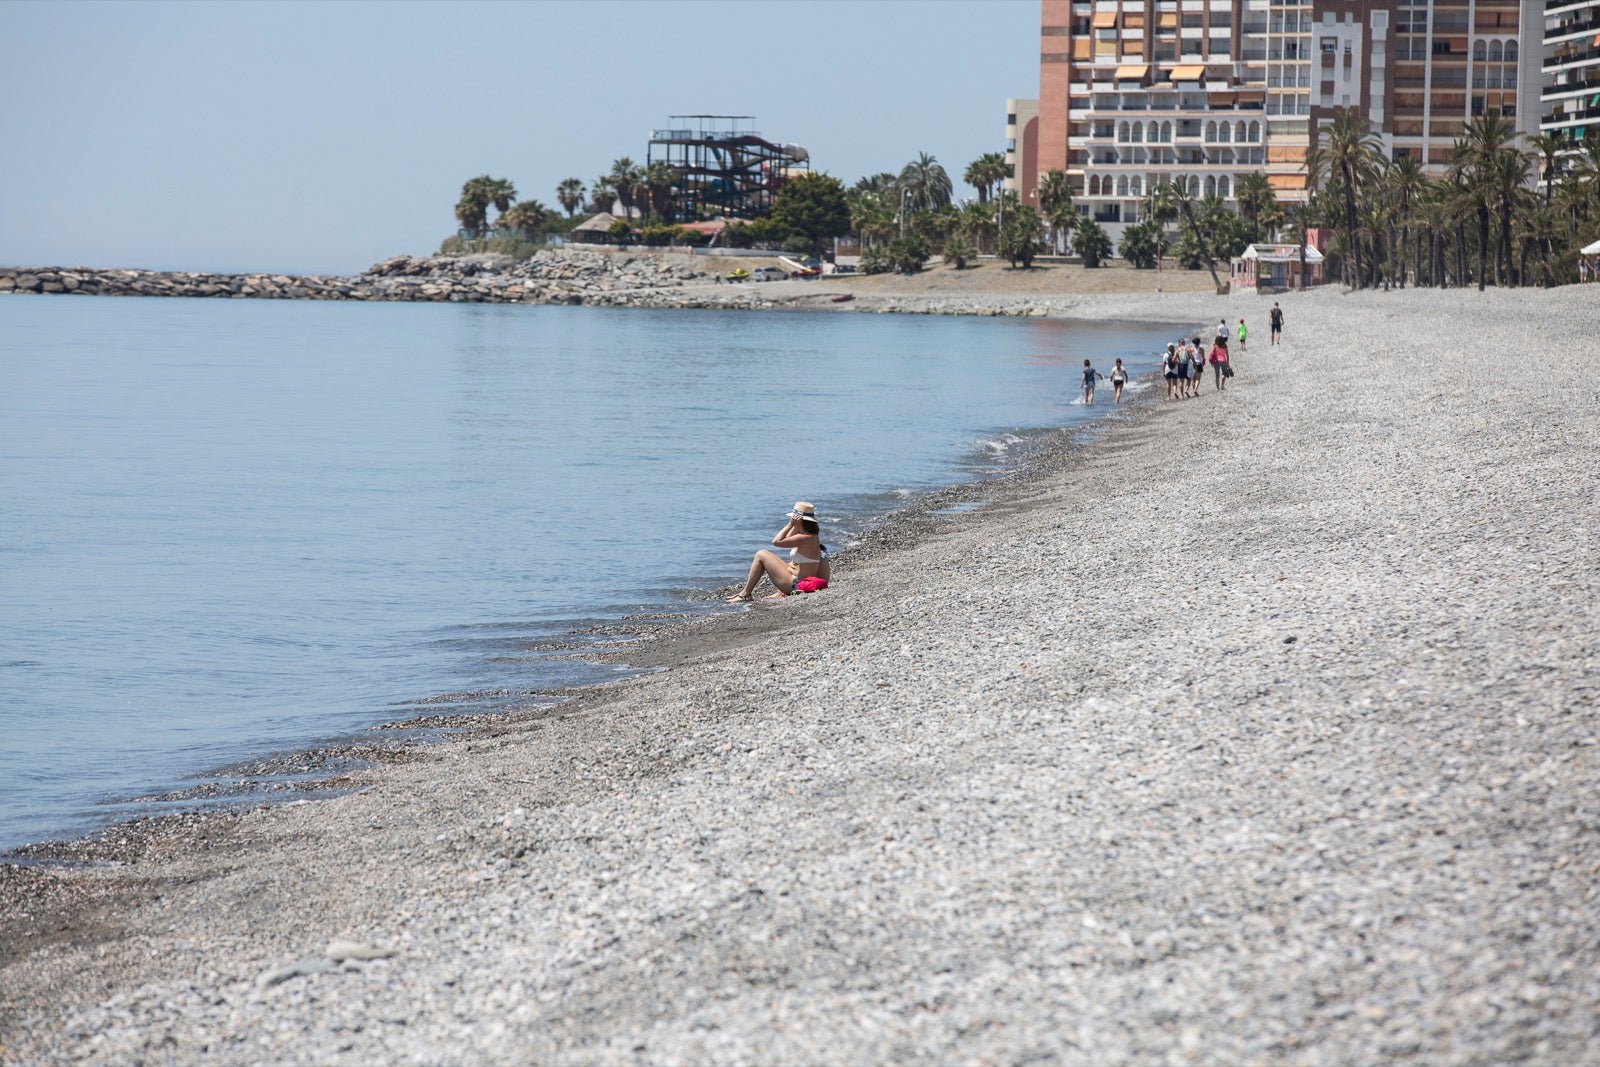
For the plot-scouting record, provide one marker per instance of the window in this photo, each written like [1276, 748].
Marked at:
[1511, 51]
[1329, 44]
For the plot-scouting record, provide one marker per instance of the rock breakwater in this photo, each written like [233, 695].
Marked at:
[553, 276]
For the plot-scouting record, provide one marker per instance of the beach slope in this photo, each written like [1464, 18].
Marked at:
[1260, 728]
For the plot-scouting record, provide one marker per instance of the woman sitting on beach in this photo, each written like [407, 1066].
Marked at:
[806, 569]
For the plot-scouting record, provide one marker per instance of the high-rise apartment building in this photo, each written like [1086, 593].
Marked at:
[1205, 92]
[1570, 101]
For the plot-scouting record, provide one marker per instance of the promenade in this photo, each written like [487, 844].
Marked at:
[1254, 727]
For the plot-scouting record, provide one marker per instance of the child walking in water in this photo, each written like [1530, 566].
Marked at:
[1119, 378]
[1090, 376]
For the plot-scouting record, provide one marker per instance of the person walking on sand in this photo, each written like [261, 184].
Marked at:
[1219, 363]
[1090, 376]
[1222, 330]
[1119, 378]
[1169, 369]
[1197, 366]
[807, 565]
[1241, 334]
[1275, 320]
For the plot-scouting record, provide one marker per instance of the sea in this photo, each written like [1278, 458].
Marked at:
[233, 528]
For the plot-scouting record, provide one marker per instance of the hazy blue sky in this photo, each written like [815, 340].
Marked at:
[322, 137]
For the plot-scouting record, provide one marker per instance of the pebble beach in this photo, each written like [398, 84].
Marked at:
[1257, 727]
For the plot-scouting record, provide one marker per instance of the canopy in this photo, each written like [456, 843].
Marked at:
[1591, 250]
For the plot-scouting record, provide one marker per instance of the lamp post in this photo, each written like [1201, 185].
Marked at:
[903, 193]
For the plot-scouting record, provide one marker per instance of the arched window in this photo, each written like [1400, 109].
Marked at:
[1222, 187]
[1240, 129]
[1138, 133]
[1122, 132]
[1211, 131]
[1094, 185]
[1225, 133]
[1494, 51]
[1194, 185]
[1122, 185]
[1255, 132]
[1511, 51]
[1478, 51]
[1211, 185]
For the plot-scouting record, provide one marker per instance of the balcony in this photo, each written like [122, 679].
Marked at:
[1563, 88]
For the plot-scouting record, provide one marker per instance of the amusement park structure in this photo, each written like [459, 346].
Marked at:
[726, 168]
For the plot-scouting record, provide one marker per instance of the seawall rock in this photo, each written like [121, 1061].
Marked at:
[553, 276]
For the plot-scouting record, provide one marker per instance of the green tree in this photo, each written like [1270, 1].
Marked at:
[958, 252]
[1258, 203]
[1055, 204]
[471, 215]
[529, 218]
[569, 194]
[1169, 201]
[1140, 243]
[986, 173]
[659, 181]
[1093, 243]
[1020, 235]
[480, 193]
[813, 205]
[1352, 153]
[909, 254]
[625, 180]
[924, 184]
[601, 195]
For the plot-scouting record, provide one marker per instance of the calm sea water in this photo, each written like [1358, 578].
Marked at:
[229, 528]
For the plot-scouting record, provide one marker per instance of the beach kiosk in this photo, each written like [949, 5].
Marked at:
[1274, 267]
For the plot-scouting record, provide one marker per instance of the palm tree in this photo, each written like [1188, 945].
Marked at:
[659, 179]
[470, 214]
[569, 194]
[1473, 160]
[985, 173]
[924, 183]
[624, 180]
[1257, 201]
[1055, 203]
[978, 224]
[1508, 172]
[1404, 182]
[1167, 201]
[602, 195]
[528, 217]
[1352, 152]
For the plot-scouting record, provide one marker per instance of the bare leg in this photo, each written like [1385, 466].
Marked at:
[776, 570]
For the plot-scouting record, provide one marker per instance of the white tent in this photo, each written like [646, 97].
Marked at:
[1591, 250]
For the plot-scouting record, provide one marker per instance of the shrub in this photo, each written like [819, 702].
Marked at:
[737, 235]
[619, 231]
[958, 251]
[1092, 242]
[453, 246]
[656, 235]
[797, 245]
[1141, 242]
[875, 259]
[909, 254]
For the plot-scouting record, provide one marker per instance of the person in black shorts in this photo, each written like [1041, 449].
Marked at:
[1275, 318]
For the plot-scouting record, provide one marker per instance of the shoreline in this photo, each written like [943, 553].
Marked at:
[332, 768]
[1295, 707]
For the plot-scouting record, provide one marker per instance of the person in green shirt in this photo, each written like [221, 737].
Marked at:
[1241, 334]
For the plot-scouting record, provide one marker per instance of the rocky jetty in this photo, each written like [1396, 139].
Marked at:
[553, 276]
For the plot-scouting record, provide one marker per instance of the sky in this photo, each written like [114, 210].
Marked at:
[322, 137]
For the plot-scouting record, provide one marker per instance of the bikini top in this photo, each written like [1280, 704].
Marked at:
[796, 557]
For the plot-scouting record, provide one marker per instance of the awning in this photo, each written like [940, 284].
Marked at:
[1168, 20]
[1287, 181]
[1222, 99]
[1252, 96]
[1105, 20]
[1288, 153]
[1133, 70]
[1590, 250]
[1133, 20]
[1188, 74]
[1082, 48]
